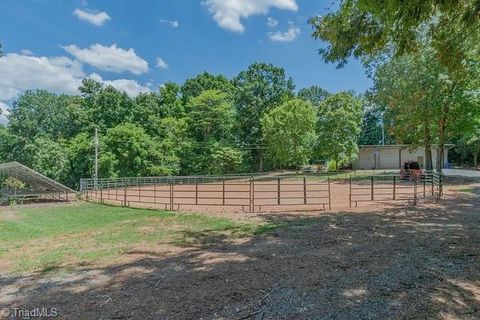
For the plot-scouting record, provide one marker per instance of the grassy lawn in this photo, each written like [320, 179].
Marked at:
[69, 236]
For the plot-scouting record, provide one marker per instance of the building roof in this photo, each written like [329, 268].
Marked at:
[34, 179]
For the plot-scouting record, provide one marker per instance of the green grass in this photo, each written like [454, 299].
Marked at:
[69, 236]
[468, 190]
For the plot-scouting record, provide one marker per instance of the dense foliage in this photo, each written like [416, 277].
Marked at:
[424, 56]
[208, 125]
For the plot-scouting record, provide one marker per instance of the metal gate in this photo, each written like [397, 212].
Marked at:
[395, 187]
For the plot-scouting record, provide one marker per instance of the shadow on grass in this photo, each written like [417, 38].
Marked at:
[402, 262]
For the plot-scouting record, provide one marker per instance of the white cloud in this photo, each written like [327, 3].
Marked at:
[161, 64]
[171, 23]
[228, 13]
[22, 72]
[109, 58]
[4, 112]
[56, 74]
[26, 52]
[272, 22]
[130, 87]
[287, 36]
[95, 18]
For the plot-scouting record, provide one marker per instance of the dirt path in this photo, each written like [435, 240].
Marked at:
[385, 263]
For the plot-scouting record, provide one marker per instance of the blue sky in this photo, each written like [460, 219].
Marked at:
[52, 44]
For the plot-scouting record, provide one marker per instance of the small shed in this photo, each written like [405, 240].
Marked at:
[393, 156]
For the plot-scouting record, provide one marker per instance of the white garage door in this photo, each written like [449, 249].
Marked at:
[389, 159]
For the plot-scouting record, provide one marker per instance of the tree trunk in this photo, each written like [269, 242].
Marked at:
[428, 149]
[260, 160]
[441, 143]
[475, 157]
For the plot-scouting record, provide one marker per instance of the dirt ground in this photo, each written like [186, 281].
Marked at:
[375, 262]
[232, 199]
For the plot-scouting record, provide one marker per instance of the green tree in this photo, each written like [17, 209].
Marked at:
[314, 94]
[426, 105]
[43, 113]
[47, 157]
[226, 160]
[127, 150]
[338, 128]
[106, 107]
[211, 116]
[289, 131]
[80, 153]
[366, 28]
[170, 100]
[211, 120]
[205, 81]
[257, 90]
[175, 142]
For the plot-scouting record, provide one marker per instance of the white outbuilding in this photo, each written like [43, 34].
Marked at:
[393, 156]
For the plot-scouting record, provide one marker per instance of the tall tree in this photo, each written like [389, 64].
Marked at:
[426, 105]
[289, 131]
[366, 28]
[314, 94]
[105, 106]
[211, 119]
[44, 113]
[127, 150]
[338, 128]
[193, 87]
[257, 90]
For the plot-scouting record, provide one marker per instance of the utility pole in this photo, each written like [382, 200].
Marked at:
[383, 134]
[383, 128]
[95, 178]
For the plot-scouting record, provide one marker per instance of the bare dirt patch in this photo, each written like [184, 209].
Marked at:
[386, 262]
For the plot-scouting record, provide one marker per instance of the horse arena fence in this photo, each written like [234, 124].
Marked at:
[255, 193]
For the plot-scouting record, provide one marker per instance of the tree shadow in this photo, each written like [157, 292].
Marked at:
[401, 262]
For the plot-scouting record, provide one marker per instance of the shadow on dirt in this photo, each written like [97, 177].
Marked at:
[404, 262]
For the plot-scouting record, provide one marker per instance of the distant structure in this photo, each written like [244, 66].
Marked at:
[393, 156]
[29, 185]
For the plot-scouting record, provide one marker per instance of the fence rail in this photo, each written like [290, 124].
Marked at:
[250, 193]
[395, 187]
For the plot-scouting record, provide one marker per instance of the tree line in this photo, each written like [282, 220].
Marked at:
[424, 58]
[210, 124]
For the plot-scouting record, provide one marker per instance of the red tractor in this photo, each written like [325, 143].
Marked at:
[411, 170]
